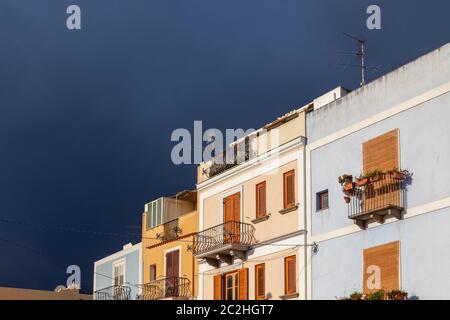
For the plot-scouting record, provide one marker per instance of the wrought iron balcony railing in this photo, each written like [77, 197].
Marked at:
[170, 287]
[113, 293]
[377, 199]
[227, 235]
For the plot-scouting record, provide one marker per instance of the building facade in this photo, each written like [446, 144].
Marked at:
[168, 227]
[382, 228]
[118, 276]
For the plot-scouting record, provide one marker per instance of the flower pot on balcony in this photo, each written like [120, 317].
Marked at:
[348, 186]
[362, 182]
[397, 175]
[347, 200]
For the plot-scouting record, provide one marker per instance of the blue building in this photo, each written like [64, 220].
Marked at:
[118, 276]
[380, 228]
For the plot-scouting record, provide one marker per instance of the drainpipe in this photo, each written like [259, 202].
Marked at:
[305, 213]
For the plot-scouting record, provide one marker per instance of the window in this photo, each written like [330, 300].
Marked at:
[289, 189]
[381, 268]
[119, 273]
[322, 200]
[261, 199]
[154, 212]
[260, 279]
[290, 275]
[231, 286]
[153, 272]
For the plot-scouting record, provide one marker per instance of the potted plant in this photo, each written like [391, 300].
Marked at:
[374, 175]
[399, 175]
[397, 295]
[362, 180]
[346, 181]
[377, 295]
[356, 296]
[347, 199]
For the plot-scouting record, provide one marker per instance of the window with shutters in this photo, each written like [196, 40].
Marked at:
[381, 268]
[232, 285]
[119, 273]
[153, 272]
[154, 213]
[290, 275]
[260, 282]
[261, 199]
[289, 189]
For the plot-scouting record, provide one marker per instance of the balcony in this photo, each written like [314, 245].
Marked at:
[377, 199]
[224, 242]
[113, 293]
[167, 288]
[235, 155]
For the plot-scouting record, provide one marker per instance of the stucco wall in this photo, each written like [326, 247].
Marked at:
[424, 139]
[274, 275]
[424, 258]
[156, 255]
[277, 224]
[421, 131]
[103, 276]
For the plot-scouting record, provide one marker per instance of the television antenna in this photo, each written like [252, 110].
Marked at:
[361, 54]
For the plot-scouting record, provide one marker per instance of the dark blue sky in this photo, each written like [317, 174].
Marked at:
[86, 116]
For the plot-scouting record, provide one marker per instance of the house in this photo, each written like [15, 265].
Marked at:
[7, 293]
[252, 239]
[118, 276]
[168, 227]
[381, 227]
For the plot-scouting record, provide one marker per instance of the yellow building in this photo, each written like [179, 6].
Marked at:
[168, 227]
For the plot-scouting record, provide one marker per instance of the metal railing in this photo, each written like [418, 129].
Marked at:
[170, 287]
[238, 153]
[380, 193]
[231, 232]
[113, 293]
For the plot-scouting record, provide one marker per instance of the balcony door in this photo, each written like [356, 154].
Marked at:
[381, 153]
[172, 273]
[231, 218]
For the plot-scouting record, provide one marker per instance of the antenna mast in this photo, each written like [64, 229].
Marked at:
[361, 54]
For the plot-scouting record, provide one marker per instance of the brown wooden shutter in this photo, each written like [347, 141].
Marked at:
[243, 284]
[260, 281]
[218, 287]
[290, 275]
[261, 199]
[384, 258]
[289, 189]
[381, 153]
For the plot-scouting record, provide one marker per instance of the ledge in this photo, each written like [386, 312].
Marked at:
[261, 219]
[289, 296]
[284, 211]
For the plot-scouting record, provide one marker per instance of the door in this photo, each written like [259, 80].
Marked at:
[231, 218]
[172, 273]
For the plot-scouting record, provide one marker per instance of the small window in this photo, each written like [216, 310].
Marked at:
[260, 279]
[290, 275]
[154, 212]
[322, 200]
[289, 189]
[261, 199]
[153, 272]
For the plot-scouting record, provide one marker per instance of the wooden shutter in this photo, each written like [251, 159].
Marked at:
[289, 189]
[243, 284]
[382, 261]
[290, 275]
[261, 199]
[381, 153]
[260, 282]
[218, 287]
